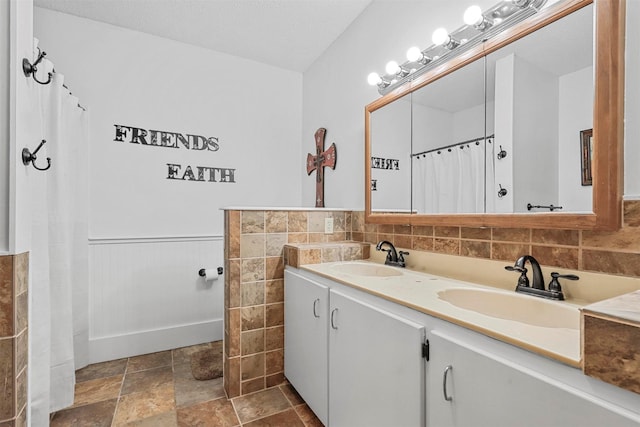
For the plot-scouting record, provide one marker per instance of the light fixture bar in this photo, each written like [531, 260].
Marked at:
[485, 25]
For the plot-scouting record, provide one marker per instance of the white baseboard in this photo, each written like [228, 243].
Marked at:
[134, 344]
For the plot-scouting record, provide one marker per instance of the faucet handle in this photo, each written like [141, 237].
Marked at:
[401, 255]
[523, 280]
[554, 285]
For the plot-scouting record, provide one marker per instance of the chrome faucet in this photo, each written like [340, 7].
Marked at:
[393, 257]
[537, 287]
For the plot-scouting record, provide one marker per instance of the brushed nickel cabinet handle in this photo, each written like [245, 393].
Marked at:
[315, 306]
[444, 383]
[333, 324]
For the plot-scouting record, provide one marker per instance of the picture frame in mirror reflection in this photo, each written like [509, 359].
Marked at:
[586, 153]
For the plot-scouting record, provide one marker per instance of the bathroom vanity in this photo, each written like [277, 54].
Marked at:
[370, 345]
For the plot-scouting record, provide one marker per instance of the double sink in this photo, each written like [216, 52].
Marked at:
[548, 327]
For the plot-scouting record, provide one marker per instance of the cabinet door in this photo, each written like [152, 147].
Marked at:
[375, 366]
[306, 308]
[486, 390]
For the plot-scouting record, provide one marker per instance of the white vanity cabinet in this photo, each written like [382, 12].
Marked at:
[470, 386]
[375, 374]
[306, 310]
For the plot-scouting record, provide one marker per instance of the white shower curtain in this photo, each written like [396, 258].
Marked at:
[59, 254]
[452, 181]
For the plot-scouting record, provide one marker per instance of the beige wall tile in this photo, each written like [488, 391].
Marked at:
[274, 361]
[422, 230]
[315, 237]
[252, 342]
[385, 228]
[276, 221]
[252, 270]
[298, 237]
[274, 338]
[252, 366]
[558, 237]
[22, 350]
[252, 293]
[339, 221]
[351, 253]
[627, 264]
[297, 222]
[371, 238]
[231, 377]
[402, 241]
[252, 245]
[22, 311]
[357, 221]
[275, 243]
[627, 239]
[274, 315]
[476, 249]
[337, 236]
[421, 243]
[446, 246]
[331, 254]
[316, 222]
[475, 233]
[274, 268]
[511, 235]
[252, 222]
[234, 332]
[401, 229]
[309, 256]
[252, 317]
[509, 251]
[556, 256]
[357, 236]
[274, 291]
[253, 385]
[6, 296]
[21, 272]
[7, 379]
[275, 379]
[439, 231]
[233, 277]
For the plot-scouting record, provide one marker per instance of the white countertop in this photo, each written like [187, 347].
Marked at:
[424, 292]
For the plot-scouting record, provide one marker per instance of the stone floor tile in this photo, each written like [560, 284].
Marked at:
[287, 418]
[166, 419]
[291, 394]
[215, 413]
[149, 361]
[93, 391]
[260, 404]
[138, 406]
[183, 354]
[136, 382]
[98, 414]
[307, 416]
[101, 370]
[190, 391]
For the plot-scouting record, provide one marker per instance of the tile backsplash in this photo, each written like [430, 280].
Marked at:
[610, 252]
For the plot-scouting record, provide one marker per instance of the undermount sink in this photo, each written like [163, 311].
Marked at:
[367, 269]
[511, 306]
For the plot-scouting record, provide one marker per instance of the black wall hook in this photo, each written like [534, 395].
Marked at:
[29, 157]
[30, 69]
[502, 154]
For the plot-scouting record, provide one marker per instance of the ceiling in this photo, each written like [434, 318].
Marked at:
[289, 34]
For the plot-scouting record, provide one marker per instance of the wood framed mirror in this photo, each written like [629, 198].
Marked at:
[608, 101]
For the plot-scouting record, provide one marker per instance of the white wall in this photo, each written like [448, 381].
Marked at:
[145, 230]
[576, 114]
[130, 78]
[336, 91]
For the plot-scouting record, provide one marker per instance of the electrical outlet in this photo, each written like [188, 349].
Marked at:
[328, 225]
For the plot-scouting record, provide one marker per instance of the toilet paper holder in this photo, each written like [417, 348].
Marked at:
[202, 273]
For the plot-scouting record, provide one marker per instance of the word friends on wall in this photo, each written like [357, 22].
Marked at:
[380, 163]
[175, 171]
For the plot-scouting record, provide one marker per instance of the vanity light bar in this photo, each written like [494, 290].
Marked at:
[479, 27]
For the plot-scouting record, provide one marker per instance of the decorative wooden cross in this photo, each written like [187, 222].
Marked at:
[319, 162]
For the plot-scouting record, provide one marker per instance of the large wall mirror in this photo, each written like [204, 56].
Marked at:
[495, 137]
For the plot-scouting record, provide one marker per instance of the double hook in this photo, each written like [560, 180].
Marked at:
[30, 69]
[29, 157]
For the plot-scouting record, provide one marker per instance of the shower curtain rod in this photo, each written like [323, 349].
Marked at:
[476, 140]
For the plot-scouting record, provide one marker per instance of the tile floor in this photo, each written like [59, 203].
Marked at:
[158, 390]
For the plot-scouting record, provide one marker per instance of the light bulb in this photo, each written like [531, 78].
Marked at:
[414, 54]
[374, 79]
[473, 15]
[392, 67]
[440, 36]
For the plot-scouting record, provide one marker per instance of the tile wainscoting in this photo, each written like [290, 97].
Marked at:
[254, 265]
[14, 280]
[254, 289]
